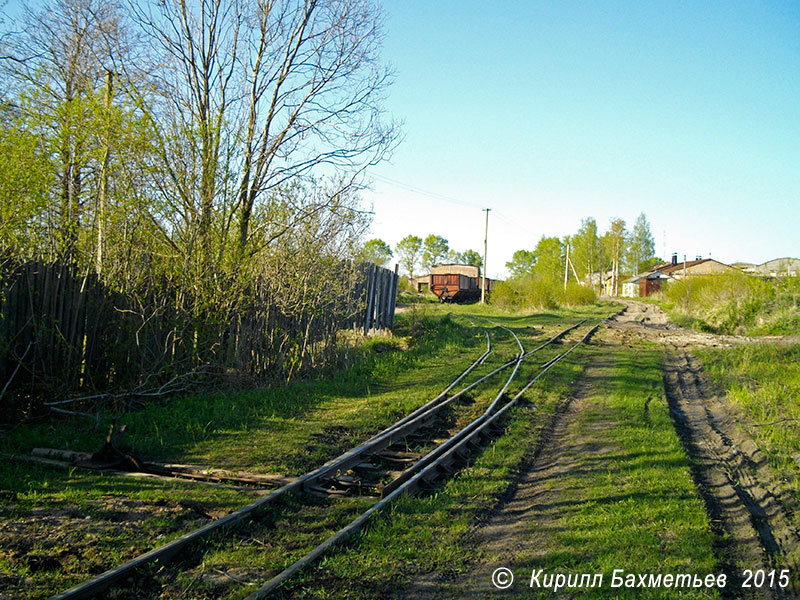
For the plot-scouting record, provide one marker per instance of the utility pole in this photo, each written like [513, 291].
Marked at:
[686, 281]
[485, 246]
[566, 270]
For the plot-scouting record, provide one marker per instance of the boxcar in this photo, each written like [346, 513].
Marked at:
[456, 283]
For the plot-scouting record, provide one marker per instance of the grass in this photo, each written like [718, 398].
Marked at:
[286, 429]
[431, 534]
[630, 503]
[417, 534]
[638, 511]
[58, 527]
[227, 430]
[762, 382]
[735, 303]
[291, 429]
[406, 297]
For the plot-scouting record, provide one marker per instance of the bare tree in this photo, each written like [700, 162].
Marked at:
[256, 93]
[195, 60]
[314, 95]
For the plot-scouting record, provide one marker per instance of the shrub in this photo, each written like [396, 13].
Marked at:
[736, 303]
[530, 291]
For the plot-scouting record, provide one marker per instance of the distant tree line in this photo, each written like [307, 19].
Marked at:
[583, 260]
[413, 253]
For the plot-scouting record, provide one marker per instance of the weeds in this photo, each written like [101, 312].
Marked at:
[735, 303]
[763, 382]
[530, 291]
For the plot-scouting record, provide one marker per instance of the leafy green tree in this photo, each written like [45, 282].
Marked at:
[471, 257]
[408, 252]
[57, 64]
[641, 245]
[521, 263]
[615, 242]
[550, 257]
[537, 279]
[376, 251]
[586, 250]
[25, 180]
[434, 249]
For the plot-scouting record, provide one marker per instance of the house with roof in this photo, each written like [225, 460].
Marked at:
[653, 280]
[645, 284]
[692, 268]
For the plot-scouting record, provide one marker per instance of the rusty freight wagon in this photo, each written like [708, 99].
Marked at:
[457, 283]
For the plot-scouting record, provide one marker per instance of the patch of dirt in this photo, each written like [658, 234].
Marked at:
[747, 503]
[641, 321]
[647, 322]
[749, 507]
[62, 537]
[338, 437]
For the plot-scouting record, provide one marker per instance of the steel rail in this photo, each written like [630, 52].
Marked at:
[431, 456]
[513, 361]
[385, 439]
[519, 358]
[361, 519]
[350, 458]
[165, 552]
[444, 393]
[467, 435]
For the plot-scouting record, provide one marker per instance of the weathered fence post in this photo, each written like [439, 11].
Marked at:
[370, 297]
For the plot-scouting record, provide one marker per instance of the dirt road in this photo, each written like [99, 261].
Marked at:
[749, 508]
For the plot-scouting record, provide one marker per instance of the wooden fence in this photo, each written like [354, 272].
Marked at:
[63, 333]
[381, 297]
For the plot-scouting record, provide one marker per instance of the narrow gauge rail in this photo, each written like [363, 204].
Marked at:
[427, 468]
[419, 418]
[169, 550]
[81, 460]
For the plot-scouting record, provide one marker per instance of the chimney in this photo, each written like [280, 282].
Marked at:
[674, 258]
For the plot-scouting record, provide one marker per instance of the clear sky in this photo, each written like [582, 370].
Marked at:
[550, 112]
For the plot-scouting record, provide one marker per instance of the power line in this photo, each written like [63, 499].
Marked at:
[510, 223]
[417, 190]
[436, 196]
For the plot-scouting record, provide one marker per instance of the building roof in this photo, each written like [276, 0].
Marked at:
[658, 274]
[469, 270]
[669, 268]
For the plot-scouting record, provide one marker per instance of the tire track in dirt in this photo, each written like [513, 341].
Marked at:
[746, 502]
[749, 507]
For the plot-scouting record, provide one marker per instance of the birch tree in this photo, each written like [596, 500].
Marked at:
[614, 242]
[56, 63]
[586, 249]
[642, 246]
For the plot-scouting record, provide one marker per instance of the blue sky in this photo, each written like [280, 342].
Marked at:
[549, 112]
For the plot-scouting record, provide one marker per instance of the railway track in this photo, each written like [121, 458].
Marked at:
[366, 468]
